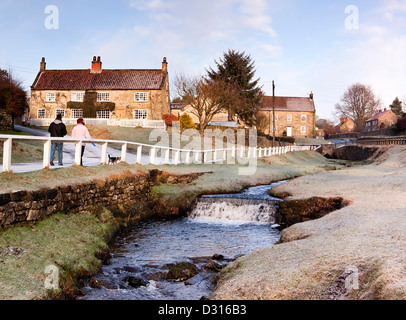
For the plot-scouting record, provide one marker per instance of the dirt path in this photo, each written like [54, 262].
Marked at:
[357, 252]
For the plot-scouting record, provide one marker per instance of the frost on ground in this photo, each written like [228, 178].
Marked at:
[362, 244]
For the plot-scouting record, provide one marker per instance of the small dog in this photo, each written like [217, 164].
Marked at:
[114, 160]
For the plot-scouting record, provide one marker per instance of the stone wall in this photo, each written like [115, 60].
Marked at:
[129, 195]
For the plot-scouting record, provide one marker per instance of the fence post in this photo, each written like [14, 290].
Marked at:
[187, 157]
[78, 153]
[7, 154]
[124, 152]
[177, 157]
[47, 154]
[167, 152]
[152, 153]
[242, 152]
[139, 154]
[196, 157]
[103, 157]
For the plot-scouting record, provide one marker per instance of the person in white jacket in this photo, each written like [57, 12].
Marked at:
[81, 132]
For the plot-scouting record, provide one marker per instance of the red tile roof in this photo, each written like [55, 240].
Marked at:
[378, 115]
[289, 104]
[106, 80]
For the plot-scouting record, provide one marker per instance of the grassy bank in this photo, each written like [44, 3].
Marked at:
[70, 242]
[73, 242]
[354, 253]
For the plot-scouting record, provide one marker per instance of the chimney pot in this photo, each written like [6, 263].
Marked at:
[96, 65]
[164, 65]
[43, 65]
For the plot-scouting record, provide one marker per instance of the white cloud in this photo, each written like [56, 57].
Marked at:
[257, 16]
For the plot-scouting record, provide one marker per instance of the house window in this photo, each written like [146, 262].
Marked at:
[60, 111]
[141, 96]
[50, 97]
[41, 113]
[304, 118]
[276, 117]
[103, 96]
[289, 118]
[303, 129]
[276, 128]
[103, 114]
[77, 96]
[77, 113]
[140, 114]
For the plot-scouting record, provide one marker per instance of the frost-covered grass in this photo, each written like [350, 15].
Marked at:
[228, 178]
[369, 236]
[71, 241]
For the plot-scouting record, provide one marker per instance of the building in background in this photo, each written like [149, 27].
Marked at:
[346, 125]
[294, 116]
[97, 93]
[382, 120]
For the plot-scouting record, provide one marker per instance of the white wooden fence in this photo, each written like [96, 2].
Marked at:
[171, 155]
[45, 122]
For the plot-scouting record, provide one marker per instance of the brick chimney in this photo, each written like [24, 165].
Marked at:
[96, 65]
[311, 95]
[43, 65]
[164, 65]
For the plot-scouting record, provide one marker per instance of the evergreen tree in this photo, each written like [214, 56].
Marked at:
[396, 107]
[237, 69]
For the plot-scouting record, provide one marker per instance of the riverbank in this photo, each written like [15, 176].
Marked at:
[353, 253]
[76, 243]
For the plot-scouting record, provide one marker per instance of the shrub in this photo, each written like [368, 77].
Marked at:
[186, 122]
[402, 124]
[169, 118]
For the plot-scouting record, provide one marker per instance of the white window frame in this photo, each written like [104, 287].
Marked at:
[276, 117]
[76, 113]
[141, 96]
[103, 114]
[303, 118]
[41, 113]
[50, 97]
[276, 128]
[103, 97]
[60, 111]
[289, 117]
[140, 114]
[77, 96]
[303, 129]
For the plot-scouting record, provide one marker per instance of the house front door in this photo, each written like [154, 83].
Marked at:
[289, 131]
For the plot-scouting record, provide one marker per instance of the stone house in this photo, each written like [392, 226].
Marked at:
[141, 94]
[382, 120]
[178, 109]
[294, 116]
[346, 125]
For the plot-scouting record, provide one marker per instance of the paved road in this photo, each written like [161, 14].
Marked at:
[91, 156]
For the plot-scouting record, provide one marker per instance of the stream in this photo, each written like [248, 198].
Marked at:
[219, 229]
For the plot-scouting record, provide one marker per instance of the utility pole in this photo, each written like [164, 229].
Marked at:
[273, 113]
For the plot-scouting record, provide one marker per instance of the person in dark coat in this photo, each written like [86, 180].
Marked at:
[57, 129]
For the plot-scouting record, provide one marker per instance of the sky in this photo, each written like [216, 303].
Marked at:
[323, 46]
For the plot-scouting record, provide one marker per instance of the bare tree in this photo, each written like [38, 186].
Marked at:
[359, 102]
[206, 97]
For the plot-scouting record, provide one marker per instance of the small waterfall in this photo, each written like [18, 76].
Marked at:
[235, 209]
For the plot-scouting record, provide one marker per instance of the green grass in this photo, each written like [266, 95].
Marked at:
[23, 151]
[69, 242]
